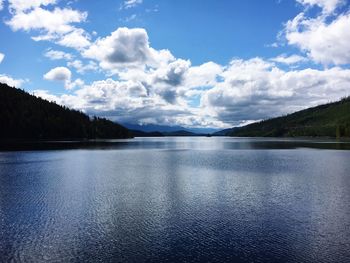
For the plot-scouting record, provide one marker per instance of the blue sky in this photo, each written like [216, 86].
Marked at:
[193, 63]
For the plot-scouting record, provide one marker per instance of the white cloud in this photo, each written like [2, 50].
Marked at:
[289, 60]
[204, 75]
[107, 96]
[126, 48]
[52, 25]
[166, 80]
[60, 74]
[1, 4]
[174, 73]
[74, 84]
[256, 89]
[11, 81]
[123, 46]
[328, 6]
[81, 67]
[45, 94]
[1, 57]
[64, 75]
[77, 39]
[23, 5]
[131, 3]
[243, 91]
[325, 37]
[131, 101]
[57, 55]
[57, 21]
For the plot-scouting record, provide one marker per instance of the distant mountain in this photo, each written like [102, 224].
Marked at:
[24, 116]
[181, 133]
[163, 128]
[202, 130]
[137, 133]
[329, 120]
[152, 127]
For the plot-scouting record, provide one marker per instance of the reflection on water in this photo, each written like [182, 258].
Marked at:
[180, 143]
[177, 199]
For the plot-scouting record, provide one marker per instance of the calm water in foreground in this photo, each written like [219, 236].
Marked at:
[177, 199]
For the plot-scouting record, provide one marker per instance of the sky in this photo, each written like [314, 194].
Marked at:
[193, 63]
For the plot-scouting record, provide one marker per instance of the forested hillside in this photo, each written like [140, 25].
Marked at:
[329, 120]
[24, 116]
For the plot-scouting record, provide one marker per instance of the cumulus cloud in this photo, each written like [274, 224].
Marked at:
[57, 55]
[57, 21]
[55, 25]
[246, 91]
[77, 39]
[155, 87]
[324, 37]
[45, 94]
[113, 97]
[59, 74]
[11, 81]
[168, 79]
[327, 6]
[2, 56]
[23, 5]
[64, 75]
[126, 47]
[1, 4]
[257, 89]
[289, 60]
[204, 75]
[74, 84]
[130, 101]
[326, 43]
[123, 46]
[174, 73]
[81, 67]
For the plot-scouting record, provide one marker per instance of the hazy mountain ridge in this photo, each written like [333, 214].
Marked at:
[328, 120]
[149, 128]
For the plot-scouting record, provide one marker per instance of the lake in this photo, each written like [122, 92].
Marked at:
[177, 199]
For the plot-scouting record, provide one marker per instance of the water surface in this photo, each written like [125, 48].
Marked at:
[177, 199]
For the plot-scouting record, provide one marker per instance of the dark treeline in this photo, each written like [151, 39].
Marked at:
[24, 116]
[328, 120]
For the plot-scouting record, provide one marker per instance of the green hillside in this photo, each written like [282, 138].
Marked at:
[329, 120]
[24, 116]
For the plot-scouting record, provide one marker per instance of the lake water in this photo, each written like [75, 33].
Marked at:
[177, 199]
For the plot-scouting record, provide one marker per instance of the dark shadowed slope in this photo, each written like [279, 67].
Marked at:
[330, 120]
[24, 116]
